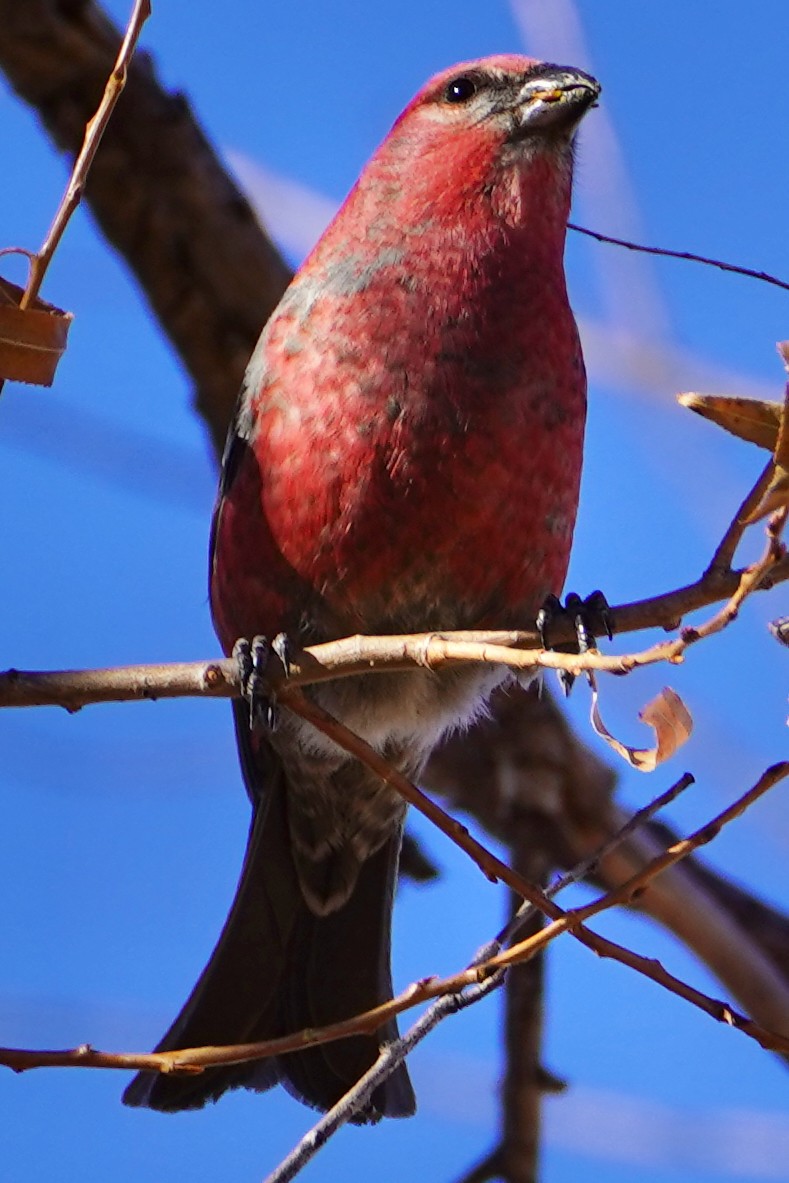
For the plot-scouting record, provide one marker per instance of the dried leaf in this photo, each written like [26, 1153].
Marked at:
[760, 422]
[756, 420]
[32, 340]
[666, 714]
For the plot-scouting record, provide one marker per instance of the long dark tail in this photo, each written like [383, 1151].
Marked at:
[278, 968]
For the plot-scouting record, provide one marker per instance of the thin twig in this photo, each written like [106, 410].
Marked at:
[448, 1004]
[752, 579]
[388, 1060]
[687, 255]
[585, 868]
[724, 553]
[74, 689]
[195, 1059]
[93, 133]
[634, 886]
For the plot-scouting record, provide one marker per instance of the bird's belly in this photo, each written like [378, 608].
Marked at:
[404, 712]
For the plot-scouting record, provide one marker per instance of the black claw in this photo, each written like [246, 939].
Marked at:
[587, 617]
[597, 609]
[262, 707]
[253, 662]
[551, 608]
[283, 648]
[243, 659]
[576, 609]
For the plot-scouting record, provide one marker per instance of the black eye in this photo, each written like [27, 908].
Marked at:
[460, 90]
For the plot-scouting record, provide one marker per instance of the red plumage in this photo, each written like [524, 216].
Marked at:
[406, 455]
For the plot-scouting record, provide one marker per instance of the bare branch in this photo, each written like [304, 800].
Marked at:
[764, 276]
[724, 553]
[591, 863]
[94, 130]
[528, 757]
[521, 1087]
[196, 1059]
[74, 689]
[206, 266]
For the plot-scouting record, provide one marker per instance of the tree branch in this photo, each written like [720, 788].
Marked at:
[73, 689]
[526, 755]
[156, 189]
[573, 921]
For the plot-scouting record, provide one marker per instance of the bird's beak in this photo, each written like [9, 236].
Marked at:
[555, 100]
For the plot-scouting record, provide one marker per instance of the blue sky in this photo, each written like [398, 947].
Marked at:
[124, 825]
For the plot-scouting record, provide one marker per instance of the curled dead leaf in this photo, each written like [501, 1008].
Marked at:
[32, 340]
[669, 718]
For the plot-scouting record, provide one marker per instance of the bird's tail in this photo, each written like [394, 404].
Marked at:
[278, 968]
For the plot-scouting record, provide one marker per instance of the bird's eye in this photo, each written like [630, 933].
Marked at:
[460, 90]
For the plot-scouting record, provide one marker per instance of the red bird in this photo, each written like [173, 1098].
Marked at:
[405, 456]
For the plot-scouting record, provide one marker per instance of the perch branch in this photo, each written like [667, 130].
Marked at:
[73, 689]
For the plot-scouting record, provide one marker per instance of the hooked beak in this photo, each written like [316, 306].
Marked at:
[555, 101]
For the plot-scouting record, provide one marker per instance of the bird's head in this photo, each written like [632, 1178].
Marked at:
[499, 127]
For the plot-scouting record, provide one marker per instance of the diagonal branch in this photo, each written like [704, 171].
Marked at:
[196, 1059]
[157, 190]
[527, 756]
[94, 130]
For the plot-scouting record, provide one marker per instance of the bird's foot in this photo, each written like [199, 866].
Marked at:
[253, 659]
[588, 618]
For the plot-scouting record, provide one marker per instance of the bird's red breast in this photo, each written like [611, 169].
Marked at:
[413, 424]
